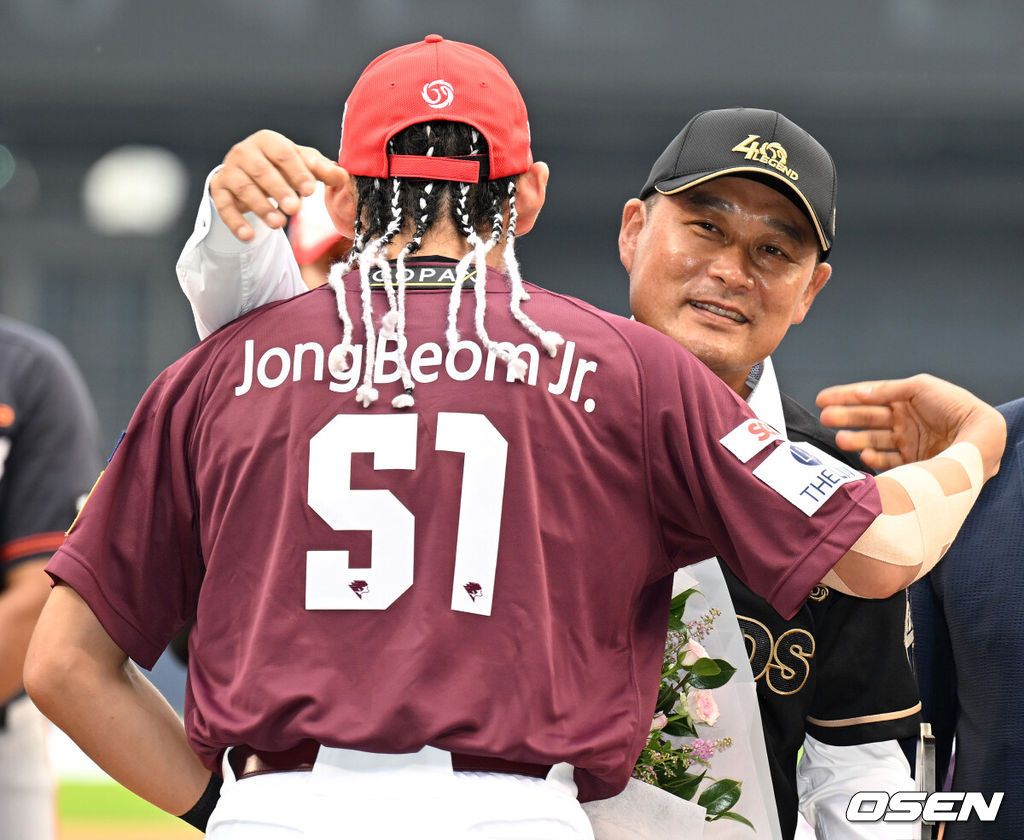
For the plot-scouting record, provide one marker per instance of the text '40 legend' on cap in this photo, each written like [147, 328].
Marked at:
[751, 142]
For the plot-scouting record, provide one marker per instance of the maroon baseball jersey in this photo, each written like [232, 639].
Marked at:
[487, 572]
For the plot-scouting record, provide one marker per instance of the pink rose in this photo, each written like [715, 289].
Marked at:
[701, 706]
[694, 651]
[659, 721]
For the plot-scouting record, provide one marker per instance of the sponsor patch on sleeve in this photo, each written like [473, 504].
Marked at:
[749, 438]
[804, 475]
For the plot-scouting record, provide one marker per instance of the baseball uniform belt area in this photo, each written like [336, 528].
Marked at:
[246, 762]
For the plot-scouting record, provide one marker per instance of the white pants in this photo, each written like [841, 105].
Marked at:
[26, 781]
[351, 794]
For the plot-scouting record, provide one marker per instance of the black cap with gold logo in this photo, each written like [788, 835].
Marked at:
[751, 142]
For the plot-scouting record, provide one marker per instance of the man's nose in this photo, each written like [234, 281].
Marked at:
[731, 267]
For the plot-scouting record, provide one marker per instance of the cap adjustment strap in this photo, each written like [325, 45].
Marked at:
[469, 169]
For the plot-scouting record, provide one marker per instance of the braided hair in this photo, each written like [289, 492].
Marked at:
[388, 207]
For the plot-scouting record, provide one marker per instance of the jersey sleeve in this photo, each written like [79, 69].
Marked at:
[133, 554]
[722, 482]
[224, 277]
[51, 458]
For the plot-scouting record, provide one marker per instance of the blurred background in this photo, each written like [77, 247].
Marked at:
[112, 112]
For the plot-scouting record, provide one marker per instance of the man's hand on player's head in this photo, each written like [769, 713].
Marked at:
[894, 422]
[267, 174]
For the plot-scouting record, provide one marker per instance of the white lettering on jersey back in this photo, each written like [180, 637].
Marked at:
[749, 438]
[804, 475]
[275, 366]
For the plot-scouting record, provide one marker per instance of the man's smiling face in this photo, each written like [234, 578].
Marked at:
[724, 268]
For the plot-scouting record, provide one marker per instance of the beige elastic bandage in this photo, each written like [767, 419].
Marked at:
[923, 535]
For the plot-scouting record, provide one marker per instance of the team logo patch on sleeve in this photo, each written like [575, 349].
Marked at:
[804, 475]
[749, 438]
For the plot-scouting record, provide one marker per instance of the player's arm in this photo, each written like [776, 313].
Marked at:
[238, 256]
[24, 593]
[83, 682]
[938, 445]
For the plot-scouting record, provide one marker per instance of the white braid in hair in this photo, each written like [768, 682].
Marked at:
[337, 361]
[516, 366]
[372, 257]
[461, 270]
[548, 338]
[405, 399]
[366, 394]
[390, 320]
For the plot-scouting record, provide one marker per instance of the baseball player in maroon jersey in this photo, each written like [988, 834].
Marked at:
[426, 517]
[841, 686]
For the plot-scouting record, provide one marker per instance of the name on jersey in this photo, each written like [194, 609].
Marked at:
[799, 472]
[463, 361]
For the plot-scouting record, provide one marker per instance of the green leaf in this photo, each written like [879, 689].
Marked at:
[731, 815]
[680, 727]
[714, 680]
[668, 672]
[667, 698]
[705, 667]
[721, 796]
[679, 602]
[685, 787]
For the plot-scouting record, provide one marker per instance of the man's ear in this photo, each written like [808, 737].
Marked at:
[342, 201]
[822, 271]
[531, 191]
[634, 217]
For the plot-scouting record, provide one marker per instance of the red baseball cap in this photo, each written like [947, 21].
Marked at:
[435, 79]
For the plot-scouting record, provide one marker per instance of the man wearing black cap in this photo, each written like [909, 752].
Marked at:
[725, 249]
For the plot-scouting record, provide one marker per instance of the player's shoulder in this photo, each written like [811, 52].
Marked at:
[222, 348]
[572, 307]
[268, 318]
[277, 310]
[645, 343]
